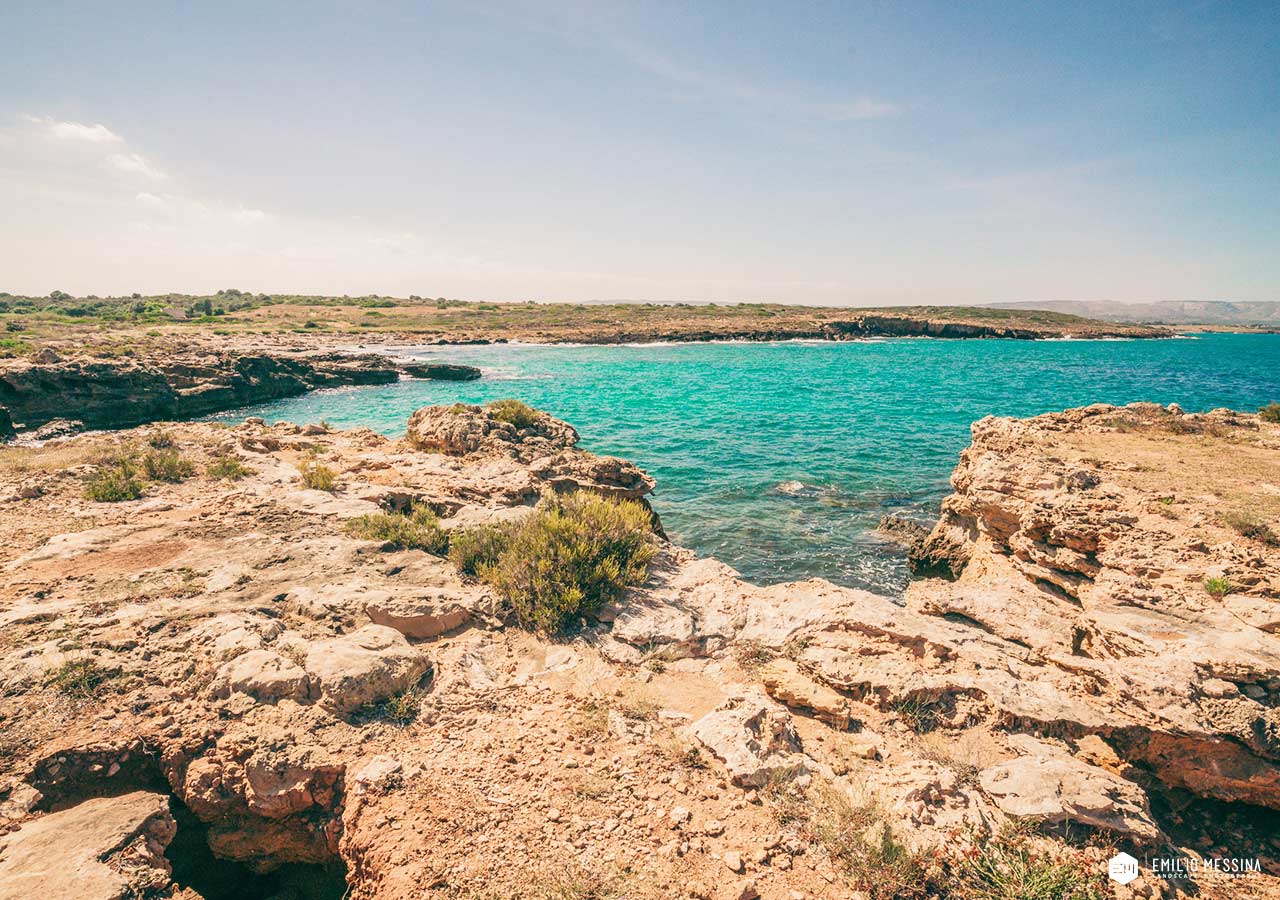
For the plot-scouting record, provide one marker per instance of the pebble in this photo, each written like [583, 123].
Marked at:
[733, 861]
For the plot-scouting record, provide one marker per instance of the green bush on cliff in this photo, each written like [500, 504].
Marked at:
[318, 476]
[227, 467]
[1217, 587]
[115, 481]
[521, 415]
[166, 465]
[1270, 412]
[572, 556]
[419, 529]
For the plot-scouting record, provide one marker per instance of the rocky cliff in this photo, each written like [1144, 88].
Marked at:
[104, 393]
[228, 660]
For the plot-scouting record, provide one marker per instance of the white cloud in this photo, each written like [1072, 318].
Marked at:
[249, 216]
[862, 108]
[134, 164]
[76, 131]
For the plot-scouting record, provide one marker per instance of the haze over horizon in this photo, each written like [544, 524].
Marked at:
[834, 154]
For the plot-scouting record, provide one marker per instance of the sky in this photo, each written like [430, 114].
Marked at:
[831, 153]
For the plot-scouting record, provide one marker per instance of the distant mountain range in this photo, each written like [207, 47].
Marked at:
[1165, 312]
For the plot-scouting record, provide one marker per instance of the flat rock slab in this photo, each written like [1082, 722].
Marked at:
[365, 666]
[108, 848]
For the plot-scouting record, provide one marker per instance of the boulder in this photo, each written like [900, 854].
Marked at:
[265, 676]
[362, 667]
[440, 371]
[785, 683]
[108, 848]
[460, 430]
[1050, 786]
[753, 737]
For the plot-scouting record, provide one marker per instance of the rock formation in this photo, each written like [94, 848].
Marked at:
[310, 697]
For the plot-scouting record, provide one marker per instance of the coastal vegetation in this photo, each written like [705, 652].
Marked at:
[516, 413]
[1217, 586]
[115, 480]
[1270, 412]
[571, 557]
[417, 529]
[128, 326]
[225, 466]
[318, 477]
[166, 464]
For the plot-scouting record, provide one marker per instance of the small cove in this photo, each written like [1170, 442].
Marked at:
[780, 458]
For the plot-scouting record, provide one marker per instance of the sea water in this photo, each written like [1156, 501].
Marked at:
[780, 458]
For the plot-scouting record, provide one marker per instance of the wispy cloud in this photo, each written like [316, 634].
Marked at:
[75, 131]
[135, 164]
[794, 100]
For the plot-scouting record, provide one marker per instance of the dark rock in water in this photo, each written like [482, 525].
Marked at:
[6, 425]
[440, 371]
[901, 530]
[930, 554]
[114, 394]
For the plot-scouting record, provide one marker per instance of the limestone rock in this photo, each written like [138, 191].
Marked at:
[460, 430]
[754, 738]
[1049, 786]
[109, 848]
[363, 667]
[785, 683]
[266, 676]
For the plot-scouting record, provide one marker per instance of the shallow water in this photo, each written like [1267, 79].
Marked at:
[781, 458]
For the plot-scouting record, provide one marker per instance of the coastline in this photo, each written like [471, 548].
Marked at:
[251, 672]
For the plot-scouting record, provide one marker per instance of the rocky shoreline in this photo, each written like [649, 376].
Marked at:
[101, 393]
[225, 659]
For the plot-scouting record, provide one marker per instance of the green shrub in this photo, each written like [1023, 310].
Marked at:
[917, 711]
[166, 465]
[476, 549]
[1270, 412]
[519, 414]
[227, 467]
[318, 476]
[1217, 587]
[418, 530]
[161, 440]
[1251, 526]
[114, 482]
[572, 556]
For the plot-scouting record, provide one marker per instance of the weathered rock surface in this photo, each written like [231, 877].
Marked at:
[231, 640]
[110, 848]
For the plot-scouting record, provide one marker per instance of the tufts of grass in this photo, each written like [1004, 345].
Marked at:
[1252, 527]
[318, 476]
[1217, 587]
[571, 557]
[419, 529]
[227, 467]
[114, 482]
[166, 465]
[751, 655]
[1008, 867]
[917, 710]
[161, 440]
[1270, 412]
[863, 846]
[402, 709]
[521, 415]
[79, 678]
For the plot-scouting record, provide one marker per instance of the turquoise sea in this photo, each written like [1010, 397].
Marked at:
[780, 458]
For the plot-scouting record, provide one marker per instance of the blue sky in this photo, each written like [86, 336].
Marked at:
[826, 153]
